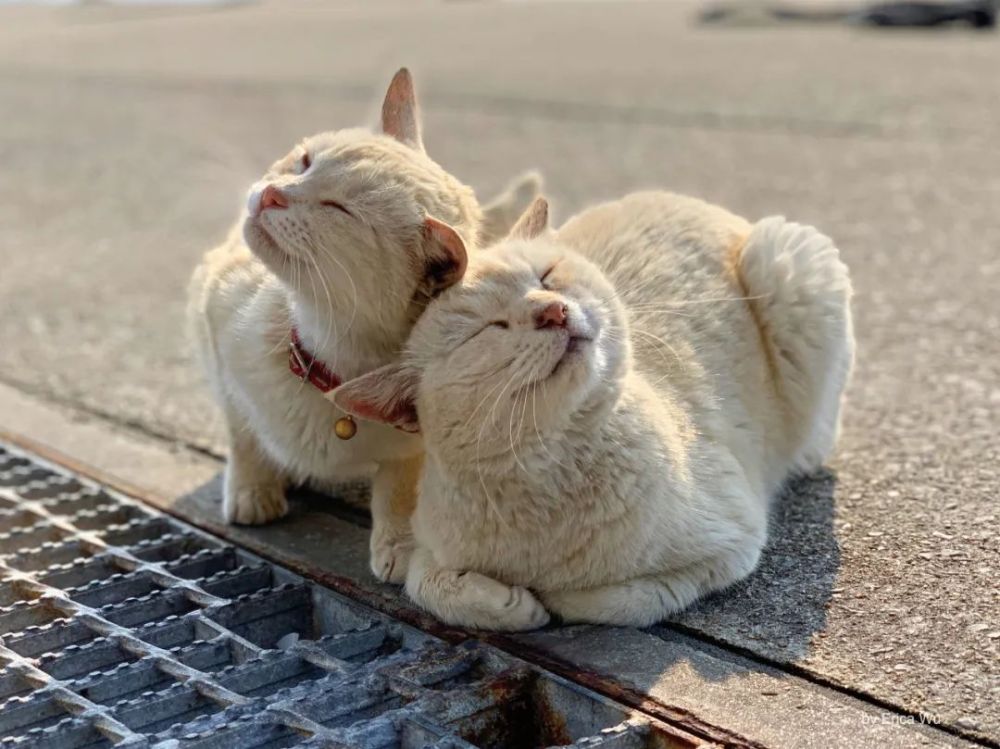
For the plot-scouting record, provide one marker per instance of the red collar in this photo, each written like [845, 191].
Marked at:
[305, 366]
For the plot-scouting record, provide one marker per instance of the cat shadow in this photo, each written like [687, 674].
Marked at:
[778, 610]
[751, 629]
[348, 502]
[772, 616]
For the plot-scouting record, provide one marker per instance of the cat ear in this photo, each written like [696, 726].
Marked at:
[400, 118]
[533, 221]
[445, 256]
[387, 395]
[500, 214]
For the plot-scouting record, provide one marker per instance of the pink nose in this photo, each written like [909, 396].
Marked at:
[552, 315]
[272, 197]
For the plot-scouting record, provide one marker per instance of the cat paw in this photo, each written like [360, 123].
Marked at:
[509, 608]
[254, 504]
[390, 556]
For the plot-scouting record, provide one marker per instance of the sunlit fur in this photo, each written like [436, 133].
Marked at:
[518, 377]
[637, 477]
[369, 251]
[352, 279]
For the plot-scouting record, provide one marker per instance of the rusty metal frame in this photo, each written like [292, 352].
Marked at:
[121, 541]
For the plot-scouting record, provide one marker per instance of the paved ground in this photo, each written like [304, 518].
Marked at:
[127, 137]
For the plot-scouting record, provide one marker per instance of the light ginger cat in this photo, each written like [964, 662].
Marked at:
[607, 411]
[343, 242]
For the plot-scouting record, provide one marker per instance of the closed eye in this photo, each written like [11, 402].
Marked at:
[338, 206]
[544, 277]
[494, 324]
[305, 162]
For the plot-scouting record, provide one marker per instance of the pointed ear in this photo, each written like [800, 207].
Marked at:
[387, 395]
[445, 256]
[501, 213]
[533, 221]
[400, 118]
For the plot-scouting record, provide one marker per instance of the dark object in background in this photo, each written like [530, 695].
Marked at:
[979, 14]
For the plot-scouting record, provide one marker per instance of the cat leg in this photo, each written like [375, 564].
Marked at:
[253, 491]
[394, 497]
[468, 599]
[633, 603]
[647, 600]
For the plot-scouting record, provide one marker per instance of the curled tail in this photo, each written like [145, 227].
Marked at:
[801, 293]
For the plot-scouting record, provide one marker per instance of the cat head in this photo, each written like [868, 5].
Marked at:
[529, 340]
[353, 216]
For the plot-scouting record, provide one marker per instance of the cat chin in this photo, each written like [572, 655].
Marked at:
[262, 244]
[578, 353]
[574, 375]
[592, 368]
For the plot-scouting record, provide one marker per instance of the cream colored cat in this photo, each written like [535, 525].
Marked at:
[343, 242]
[605, 425]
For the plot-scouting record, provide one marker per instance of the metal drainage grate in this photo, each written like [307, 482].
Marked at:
[123, 627]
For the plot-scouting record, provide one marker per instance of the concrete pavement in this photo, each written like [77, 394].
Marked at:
[129, 135]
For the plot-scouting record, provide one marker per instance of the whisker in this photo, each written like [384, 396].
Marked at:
[492, 390]
[659, 340]
[479, 464]
[669, 305]
[282, 342]
[538, 435]
[647, 310]
[331, 316]
[519, 393]
[524, 413]
[510, 433]
[354, 291]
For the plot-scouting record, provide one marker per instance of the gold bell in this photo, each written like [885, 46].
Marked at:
[345, 428]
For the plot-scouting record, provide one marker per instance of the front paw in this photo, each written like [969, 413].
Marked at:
[503, 607]
[254, 504]
[390, 556]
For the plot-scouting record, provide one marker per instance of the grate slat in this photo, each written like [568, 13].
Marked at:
[121, 627]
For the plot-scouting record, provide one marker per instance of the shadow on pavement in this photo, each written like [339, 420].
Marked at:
[775, 612]
[778, 609]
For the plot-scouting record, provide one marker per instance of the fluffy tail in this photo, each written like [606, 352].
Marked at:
[801, 293]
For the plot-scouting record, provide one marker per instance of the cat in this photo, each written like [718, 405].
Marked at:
[607, 410]
[342, 243]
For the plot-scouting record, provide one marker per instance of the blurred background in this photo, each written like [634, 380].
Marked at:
[129, 133]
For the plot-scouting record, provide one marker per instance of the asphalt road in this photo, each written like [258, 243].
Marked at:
[128, 137]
